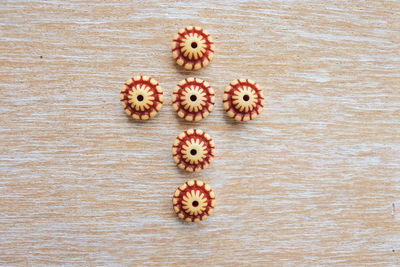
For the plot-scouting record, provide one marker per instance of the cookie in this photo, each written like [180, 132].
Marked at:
[193, 150]
[193, 48]
[243, 100]
[193, 99]
[141, 97]
[194, 201]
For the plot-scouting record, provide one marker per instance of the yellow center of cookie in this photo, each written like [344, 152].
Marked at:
[141, 97]
[193, 98]
[245, 99]
[193, 46]
[194, 202]
[194, 151]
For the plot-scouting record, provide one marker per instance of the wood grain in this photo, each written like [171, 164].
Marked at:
[315, 180]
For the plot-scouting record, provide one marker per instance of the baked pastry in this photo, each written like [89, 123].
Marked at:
[193, 48]
[193, 150]
[141, 97]
[243, 100]
[193, 201]
[193, 99]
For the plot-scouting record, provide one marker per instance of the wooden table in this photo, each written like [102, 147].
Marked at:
[315, 180]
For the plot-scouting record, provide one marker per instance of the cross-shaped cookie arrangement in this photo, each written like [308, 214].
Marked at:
[193, 99]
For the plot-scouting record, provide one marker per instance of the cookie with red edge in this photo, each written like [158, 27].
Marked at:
[194, 201]
[193, 99]
[141, 97]
[193, 150]
[243, 100]
[193, 48]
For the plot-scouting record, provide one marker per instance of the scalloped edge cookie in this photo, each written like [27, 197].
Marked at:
[141, 97]
[193, 48]
[193, 99]
[193, 150]
[243, 100]
[193, 201]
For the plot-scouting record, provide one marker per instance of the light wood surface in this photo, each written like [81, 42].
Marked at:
[314, 180]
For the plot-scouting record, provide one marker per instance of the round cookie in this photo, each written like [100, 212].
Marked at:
[193, 150]
[141, 97]
[194, 201]
[193, 99]
[193, 48]
[243, 100]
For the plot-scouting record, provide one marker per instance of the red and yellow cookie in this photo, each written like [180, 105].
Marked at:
[193, 48]
[141, 97]
[193, 150]
[193, 99]
[193, 201]
[243, 100]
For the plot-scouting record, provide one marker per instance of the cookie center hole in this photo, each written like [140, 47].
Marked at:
[140, 98]
[193, 44]
[193, 97]
[195, 203]
[193, 152]
[246, 98]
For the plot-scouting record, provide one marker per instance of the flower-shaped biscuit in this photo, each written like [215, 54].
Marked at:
[141, 97]
[193, 99]
[243, 100]
[193, 150]
[193, 201]
[192, 48]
